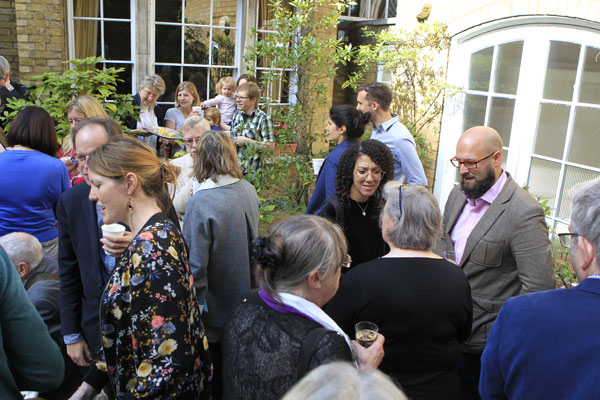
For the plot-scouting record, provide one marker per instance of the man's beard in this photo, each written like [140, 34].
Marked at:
[480, 186]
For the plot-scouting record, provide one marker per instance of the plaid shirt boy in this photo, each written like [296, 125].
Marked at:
[257, 126]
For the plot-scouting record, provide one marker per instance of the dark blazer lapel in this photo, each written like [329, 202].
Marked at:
[489, 218]
[93, 230]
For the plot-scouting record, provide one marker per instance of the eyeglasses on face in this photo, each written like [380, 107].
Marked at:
[400, 198]
[241, 97]
[191, 141]
[82, 158]
[362, 174]
[565, 238]
[469, 164]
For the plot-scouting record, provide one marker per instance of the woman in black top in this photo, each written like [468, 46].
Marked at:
[265, 349]
[362, 171]
[420, 302]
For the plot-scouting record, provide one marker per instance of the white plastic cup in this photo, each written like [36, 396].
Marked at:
[113, 230]
[317, 164]
[199, 110]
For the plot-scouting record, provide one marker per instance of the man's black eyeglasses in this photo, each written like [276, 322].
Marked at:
[467, 163]
[565, 238]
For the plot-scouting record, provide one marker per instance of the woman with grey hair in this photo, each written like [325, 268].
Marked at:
[419, 301]
[151, 114]
[342, 380]
[279, 333]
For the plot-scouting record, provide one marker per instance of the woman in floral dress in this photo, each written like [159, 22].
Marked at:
[153, 339]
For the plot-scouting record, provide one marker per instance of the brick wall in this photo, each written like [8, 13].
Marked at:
[8, 34]
[33, 36]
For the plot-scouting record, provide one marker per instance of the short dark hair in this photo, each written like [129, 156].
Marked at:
[378, 92]
[33, 127]
[247, 77]
[112, 128]
[378, 153]
[351, 118]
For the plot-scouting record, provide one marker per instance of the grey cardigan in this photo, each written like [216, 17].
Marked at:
[220, 223]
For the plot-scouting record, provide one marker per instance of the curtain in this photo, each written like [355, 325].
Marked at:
[86, 32]
[370, 8]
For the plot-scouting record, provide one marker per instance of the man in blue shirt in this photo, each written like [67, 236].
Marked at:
[376, 98]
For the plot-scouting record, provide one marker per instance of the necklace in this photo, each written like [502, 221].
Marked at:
[364, 210]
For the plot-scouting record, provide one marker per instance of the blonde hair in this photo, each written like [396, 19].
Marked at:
[123, 154]
[226, 80]
[212, 113]
[191, 88]
[89, 107]
[216, 155]
[154, 82]
[252, 90]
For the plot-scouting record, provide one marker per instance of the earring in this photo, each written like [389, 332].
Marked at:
[130, 205]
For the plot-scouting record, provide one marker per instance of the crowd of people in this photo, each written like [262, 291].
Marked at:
[189, 301]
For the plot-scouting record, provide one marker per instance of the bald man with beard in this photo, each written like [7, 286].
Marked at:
[499, 237]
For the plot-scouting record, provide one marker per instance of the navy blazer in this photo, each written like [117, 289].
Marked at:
[545, 346]
[82, 272]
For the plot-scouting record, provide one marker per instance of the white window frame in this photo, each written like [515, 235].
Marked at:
[238, 39]
[132, 48]
[536, 34]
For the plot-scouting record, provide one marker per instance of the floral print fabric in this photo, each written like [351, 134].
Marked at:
[153, 338]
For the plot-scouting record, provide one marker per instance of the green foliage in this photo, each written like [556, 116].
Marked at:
[53, 91]
[418, 78]
[297, 47]
[563, 270]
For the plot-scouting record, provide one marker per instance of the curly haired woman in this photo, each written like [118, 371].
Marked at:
[362, 171]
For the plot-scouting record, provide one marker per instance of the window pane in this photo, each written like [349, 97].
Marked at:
[561, 70]
[168, 11]
[474, 111]
[125, 86]
[197, 12]
[501, 116]
[590, 81]
[87, 38]
[215, 74]
[573, 177]
[198, 77]
[224, 13]
[116, 9]
[117, 40]
[584, 142]
[551, 130]
[508, 67]
[543, 179]
[86, 8]
[223, 46]
[196, 48]
[169, 49]
[480, 69]
[171, 77]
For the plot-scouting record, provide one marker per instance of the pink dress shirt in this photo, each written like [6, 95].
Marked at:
[471, 214]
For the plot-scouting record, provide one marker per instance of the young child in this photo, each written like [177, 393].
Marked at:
[213, 116]
[225, 101]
